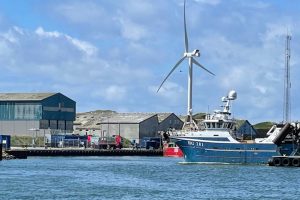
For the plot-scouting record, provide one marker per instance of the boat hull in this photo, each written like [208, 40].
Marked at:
[218, 152]
[172, 152]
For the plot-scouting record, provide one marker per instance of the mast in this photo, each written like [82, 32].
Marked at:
[287, 82]
[190, 93]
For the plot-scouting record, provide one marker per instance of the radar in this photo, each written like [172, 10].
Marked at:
[224, 99]
[232, 95]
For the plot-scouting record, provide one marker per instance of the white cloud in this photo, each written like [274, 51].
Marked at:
[256, 4]
[131, 30]
[275, 31]
[40, 31]
[11, 34]
[81, 12]
[170, 92]
[209, 2]
[55, 61]
[112, 93]
[261, 89]
[241, 42]
[86, 47]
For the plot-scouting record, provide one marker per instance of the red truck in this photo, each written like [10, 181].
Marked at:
[114, 142]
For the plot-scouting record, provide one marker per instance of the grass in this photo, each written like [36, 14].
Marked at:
[199, 115]
[264, 125]
[23, 141]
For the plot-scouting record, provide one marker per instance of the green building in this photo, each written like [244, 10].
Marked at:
[21, 114]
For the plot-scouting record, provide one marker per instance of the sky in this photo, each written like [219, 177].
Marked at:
[113, 55]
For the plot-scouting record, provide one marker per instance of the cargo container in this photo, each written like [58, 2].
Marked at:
[68, 140]
[5, 142]
[151, 143]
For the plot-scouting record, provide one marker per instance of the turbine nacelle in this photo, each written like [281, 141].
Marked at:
[195, 53]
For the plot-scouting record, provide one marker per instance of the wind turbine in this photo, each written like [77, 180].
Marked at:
[190, 56]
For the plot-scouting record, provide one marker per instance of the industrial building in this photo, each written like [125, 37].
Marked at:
[132, 126]
[169, 121]
[23, 114]
[88, 123]
[245, 130]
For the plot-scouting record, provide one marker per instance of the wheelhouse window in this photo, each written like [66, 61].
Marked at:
[207, 125]
[213, 125]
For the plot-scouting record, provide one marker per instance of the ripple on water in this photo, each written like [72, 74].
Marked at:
[142, 177]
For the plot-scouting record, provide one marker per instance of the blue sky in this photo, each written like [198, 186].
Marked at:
[114, 54]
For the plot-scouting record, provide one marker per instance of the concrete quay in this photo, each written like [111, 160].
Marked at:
[24, 153]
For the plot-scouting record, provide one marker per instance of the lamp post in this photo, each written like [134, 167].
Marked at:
[107, 137]
[35, 130]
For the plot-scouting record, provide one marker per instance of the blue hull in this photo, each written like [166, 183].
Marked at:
[218, 152]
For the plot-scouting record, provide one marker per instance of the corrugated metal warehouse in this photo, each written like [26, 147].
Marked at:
[169, 121]
[23, 113]
[88, 123]
[132, 126]
[245, 129]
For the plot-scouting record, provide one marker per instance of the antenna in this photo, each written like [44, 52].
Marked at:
[232, 95]
[287, 82]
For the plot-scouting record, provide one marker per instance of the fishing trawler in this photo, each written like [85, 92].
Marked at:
[216, 140]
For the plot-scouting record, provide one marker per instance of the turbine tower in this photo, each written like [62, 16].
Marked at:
[287, 82]
[191, 60]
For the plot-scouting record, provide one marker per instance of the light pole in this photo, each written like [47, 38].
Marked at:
[34, 136]
[107, 137]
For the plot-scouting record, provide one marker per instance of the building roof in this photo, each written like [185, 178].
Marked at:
[91, 119]
[133, 118]
[94, 119]
[24, 96]
[162, 116]
[182, 117]
[240, 122]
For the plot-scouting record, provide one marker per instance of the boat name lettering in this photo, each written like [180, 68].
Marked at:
[200, 144]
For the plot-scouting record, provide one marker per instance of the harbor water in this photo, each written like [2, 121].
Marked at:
[142, 178]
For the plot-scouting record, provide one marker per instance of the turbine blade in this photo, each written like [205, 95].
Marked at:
[171, 71]
[186, 41]
[195, 62]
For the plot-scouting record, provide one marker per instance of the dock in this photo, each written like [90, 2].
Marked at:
[23, 154]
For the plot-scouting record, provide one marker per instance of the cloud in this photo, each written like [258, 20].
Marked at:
[80, 12]
[131, 30]
[275, 31]
[256, 4]
[114, 93]
[171, 92]
[86, 47]
[114, 54]
[55, 61]
[40, 31]
[209, 2]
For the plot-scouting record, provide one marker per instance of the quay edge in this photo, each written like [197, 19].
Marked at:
[83, 152]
